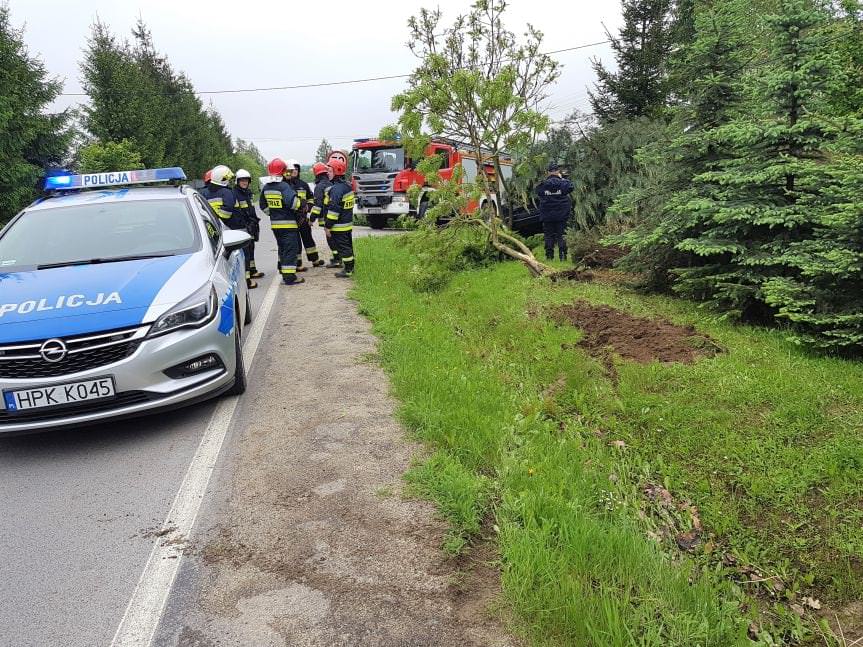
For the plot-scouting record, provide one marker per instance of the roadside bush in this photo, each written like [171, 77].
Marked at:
[360, 220]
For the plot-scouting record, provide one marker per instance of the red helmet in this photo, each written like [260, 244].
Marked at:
[319, 168]
[277, 166]
[338, 155]
[338, 166]
[208, 176]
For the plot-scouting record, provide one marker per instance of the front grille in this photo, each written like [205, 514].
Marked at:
[24, 361]
[124, 399]
[375, 184]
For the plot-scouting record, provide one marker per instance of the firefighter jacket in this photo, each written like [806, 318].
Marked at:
[304, 192]
[555, 203]
[224, 203]
[282, 203]
[339, 204]
[322, 183]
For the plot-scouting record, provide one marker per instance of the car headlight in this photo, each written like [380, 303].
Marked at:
[192, 312]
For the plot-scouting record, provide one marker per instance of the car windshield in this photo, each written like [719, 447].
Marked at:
[378, 159]
[103, 232]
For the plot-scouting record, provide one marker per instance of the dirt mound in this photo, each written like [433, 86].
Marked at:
[574, 274]
[603, 256]
[607, 329]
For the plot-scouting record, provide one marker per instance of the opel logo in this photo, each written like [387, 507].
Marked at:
[53, 350]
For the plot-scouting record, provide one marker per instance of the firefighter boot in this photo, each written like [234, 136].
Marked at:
[334, 263]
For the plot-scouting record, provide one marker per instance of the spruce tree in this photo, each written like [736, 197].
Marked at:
[639, 87]
[30, 138]
[323, 152]
[757, 208]
[665, 205]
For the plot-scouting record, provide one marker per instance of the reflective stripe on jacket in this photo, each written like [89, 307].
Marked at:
[282, 203]
[339, 203]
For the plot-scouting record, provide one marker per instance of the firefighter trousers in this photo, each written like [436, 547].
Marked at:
[308, 242]
[331, 243]
[344, 243]
[288, 241]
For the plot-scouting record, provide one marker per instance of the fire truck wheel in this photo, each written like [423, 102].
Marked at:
[377, 221]
[421, 212]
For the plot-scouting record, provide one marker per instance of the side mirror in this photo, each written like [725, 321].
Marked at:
[234, 239]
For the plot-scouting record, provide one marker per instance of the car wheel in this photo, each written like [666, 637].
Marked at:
[377, 221]
[239, 386]
[248, 318]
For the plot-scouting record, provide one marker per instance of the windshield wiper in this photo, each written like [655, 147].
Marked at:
[95, 261]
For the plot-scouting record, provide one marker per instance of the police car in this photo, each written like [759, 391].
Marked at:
[116, 300]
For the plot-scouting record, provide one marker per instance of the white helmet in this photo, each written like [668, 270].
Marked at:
[243, 173]
[293, 164]
[221, 175]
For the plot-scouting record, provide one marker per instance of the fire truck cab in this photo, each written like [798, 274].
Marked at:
[382, 175]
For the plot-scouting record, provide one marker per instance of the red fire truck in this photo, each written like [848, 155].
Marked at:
[382, 174]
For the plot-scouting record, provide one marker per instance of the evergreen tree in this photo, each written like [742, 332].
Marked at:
[665, 204]
[136, 95]
[30, 139]
[639, 87]
[775, 214]
[323, 152]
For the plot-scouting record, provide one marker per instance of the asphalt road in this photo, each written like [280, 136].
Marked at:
[77, 511]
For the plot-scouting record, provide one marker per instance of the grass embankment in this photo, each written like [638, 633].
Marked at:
[760, 446]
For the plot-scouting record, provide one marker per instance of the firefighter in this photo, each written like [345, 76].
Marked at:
[283, 205]
[339, 216]
[208, 176]
[224, 202]
[555, 209]
[246, 205]
[307, 240]
[322, 187]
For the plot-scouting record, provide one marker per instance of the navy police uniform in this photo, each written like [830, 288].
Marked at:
[555, 209]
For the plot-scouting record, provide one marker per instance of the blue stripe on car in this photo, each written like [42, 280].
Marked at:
[136, 282]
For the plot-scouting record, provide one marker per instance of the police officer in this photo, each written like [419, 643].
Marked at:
[307, 240]
[246, 206]
[555, 209]
[280, 200]
[339, 216]
[224, 202]
[322, 187]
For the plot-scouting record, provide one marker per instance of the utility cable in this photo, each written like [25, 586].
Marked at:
[334, 83]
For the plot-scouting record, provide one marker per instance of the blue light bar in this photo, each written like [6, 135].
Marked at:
[114, 178]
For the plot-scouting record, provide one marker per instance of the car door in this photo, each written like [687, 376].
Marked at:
[229, 271]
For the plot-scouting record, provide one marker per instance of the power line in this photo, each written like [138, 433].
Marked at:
[346, 82]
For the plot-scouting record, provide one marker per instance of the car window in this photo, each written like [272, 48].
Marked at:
[212, 224]
[101, 230]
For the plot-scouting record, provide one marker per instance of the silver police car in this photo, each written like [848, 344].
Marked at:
[117, 300]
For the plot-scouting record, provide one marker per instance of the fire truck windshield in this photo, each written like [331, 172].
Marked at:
[370, 160]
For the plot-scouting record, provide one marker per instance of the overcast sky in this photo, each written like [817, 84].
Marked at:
[226, 45]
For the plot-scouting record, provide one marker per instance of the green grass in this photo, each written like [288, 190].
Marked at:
[764, 439]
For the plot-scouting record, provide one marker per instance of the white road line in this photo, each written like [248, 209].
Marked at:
[147, 604]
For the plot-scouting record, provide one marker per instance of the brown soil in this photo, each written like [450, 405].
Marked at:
[574, 274]
[603, 256]
[634, 338]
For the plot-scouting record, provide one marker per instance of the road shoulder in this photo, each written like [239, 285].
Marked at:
[314, 544]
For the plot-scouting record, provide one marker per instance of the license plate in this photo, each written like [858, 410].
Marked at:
[52, 396]
[375, 210]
